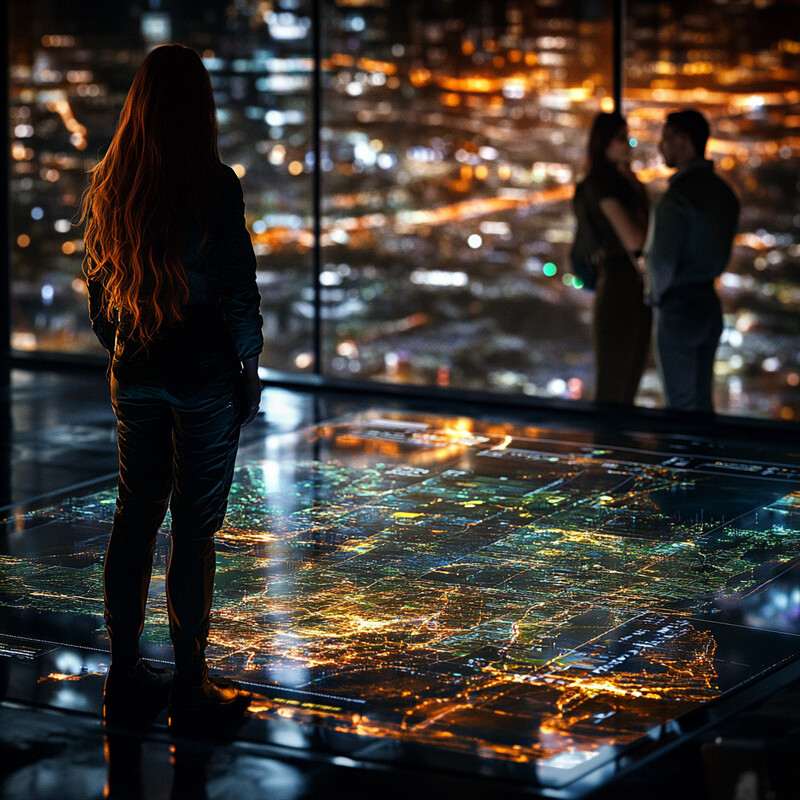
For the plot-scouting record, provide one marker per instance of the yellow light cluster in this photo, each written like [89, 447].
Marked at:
[78, 131]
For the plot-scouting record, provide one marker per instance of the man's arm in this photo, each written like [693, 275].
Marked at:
[665, 243]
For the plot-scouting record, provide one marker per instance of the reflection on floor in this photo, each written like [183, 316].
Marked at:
[488, 596]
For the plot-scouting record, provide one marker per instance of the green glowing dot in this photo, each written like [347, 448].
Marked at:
[549, 269]
[567, 279]
[577, 282]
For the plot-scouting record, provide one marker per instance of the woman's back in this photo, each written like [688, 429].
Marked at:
[161, 167]
[219, 324]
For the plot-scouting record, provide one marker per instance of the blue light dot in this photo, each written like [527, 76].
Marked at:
[37, 212]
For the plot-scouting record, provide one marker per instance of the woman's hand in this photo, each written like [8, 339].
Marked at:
[251, 390]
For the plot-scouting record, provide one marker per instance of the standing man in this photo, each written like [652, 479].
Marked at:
[688, 246]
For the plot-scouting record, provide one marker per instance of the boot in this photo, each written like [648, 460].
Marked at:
[206, 703]
[135, 693]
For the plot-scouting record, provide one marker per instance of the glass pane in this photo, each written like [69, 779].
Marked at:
[71, 67]
[739, 65]
[453, 133]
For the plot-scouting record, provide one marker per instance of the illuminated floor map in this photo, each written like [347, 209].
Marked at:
[527, 596]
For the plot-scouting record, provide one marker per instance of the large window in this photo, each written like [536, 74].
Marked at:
[449, 138]
[738, 63]
[71, 67]
[454, 132]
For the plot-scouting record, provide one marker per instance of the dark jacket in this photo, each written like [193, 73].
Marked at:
[222, 323]
[692, 230]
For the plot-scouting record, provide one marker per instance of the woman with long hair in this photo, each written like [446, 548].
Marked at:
[617, 207]
[173, 298]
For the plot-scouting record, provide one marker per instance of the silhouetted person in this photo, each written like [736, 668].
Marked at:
[688, 246]
[172, 295]
[617, 208]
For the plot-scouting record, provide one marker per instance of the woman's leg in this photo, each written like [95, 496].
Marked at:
[144, 427]
[206, 437]
[610, 347]
[622, 336]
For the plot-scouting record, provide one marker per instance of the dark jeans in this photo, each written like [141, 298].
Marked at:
[178, 453]
[688, 327]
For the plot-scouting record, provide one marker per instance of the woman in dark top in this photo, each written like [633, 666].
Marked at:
[618, 207]
[173, 298]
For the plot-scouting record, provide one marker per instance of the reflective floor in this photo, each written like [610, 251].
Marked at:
[460, 598]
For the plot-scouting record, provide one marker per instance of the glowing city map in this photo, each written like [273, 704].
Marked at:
[502, 591]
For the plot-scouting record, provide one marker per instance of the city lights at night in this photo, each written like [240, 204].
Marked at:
[449, 146]
[531, 596]
[455, 561]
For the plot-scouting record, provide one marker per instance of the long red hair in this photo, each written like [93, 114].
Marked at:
[159, 168]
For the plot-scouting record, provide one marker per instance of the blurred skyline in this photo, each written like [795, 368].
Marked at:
[452, 135]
